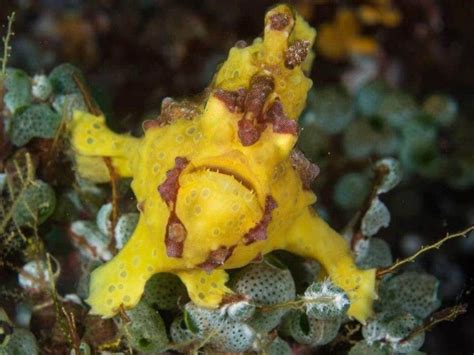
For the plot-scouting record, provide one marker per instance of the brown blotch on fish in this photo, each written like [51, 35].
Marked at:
[217, 258]
[285, 126]
[234, 100]
[260, 87]
[259, 232]
[280, 122]
[305, 169]
[249, 132]
[169, 188]
[251, 125]
[279, 21]
[175, 236]
[175, 230]
[296, 53]
[172, 110]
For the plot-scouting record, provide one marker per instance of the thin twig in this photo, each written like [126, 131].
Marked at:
[71, 326]
[55, 146]
[110, 345]
[123, 315]
[399, 263]
[57, 305]
[115, 197]
[25, 183]
[6, 45]
[348, 335]
[447, 314]
[296, 304]
[86, 95]
[380, 172]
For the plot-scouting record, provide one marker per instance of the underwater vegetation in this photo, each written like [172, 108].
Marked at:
[203, 233]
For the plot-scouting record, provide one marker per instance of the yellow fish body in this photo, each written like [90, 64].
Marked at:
[218, 183]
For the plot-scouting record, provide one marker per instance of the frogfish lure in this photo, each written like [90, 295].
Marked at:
[219, 183]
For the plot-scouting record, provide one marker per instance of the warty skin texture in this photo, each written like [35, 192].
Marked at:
[216, 188]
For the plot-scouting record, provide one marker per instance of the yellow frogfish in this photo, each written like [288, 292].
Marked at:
[218, 183]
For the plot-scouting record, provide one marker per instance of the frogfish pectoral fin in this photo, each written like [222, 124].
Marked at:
[311, 237]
